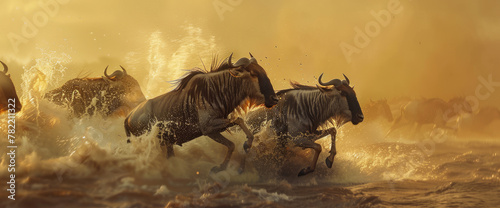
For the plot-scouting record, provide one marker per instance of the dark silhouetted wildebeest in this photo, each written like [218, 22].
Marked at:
[115, 94]
[8, 95]
[302, 109]
[201, 103]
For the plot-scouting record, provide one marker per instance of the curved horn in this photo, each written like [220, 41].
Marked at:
[106, 72]
[229, 60]
[347, 79]
[334, 82]
[5, 67]
[124, 70]
[252, 59]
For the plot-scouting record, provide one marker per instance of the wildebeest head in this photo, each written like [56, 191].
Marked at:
[347, 92]
[121, 80]
[7, 90]
[251, 70]
[381, 106]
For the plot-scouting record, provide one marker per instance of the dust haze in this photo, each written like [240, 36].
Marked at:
[428, 49]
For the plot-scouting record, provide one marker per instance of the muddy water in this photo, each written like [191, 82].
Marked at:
[64, 162]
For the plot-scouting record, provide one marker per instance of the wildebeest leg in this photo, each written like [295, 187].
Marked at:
[165, 140]
[398, 123]
[416, 130]
[333, 150]
[170, 150]
[306, 143]
[230, 148]
[248, 144]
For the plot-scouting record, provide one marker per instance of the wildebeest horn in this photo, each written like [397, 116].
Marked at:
[347, 79]
[124, 71]
[334, 82]
[229, 60]
[106, 72]
[5, 67]
[252, 59]
[242, 62]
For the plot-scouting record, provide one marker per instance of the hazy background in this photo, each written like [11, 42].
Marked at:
[430, 49]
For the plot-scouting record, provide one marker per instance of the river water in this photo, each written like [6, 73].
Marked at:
[64, 162]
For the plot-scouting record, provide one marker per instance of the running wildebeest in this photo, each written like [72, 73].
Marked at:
[430, 111]
[201, 103]
[8, 95]
[302, 109]
[379, 108]
[115, 94]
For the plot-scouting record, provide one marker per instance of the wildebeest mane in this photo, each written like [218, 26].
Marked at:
[297, 86]
[216, 66]
[202, 88]
[184, 80]
[219, 65]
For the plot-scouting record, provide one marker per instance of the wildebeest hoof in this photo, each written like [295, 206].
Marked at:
[329, 163]
[305, 171]
[128, 140]
[217, 169]
[246, 147]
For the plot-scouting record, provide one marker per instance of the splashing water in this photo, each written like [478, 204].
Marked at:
[47, 72]
[190, 49]
[156, 61]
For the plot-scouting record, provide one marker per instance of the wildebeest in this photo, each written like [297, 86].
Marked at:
[302, 109]
[201, 103]
[430, 111]
[8, 95]
[114, 94]
[379, 108]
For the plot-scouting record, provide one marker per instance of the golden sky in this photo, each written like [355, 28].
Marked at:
[424, 48]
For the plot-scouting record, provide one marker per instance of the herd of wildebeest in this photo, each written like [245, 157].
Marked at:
[204, 102]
